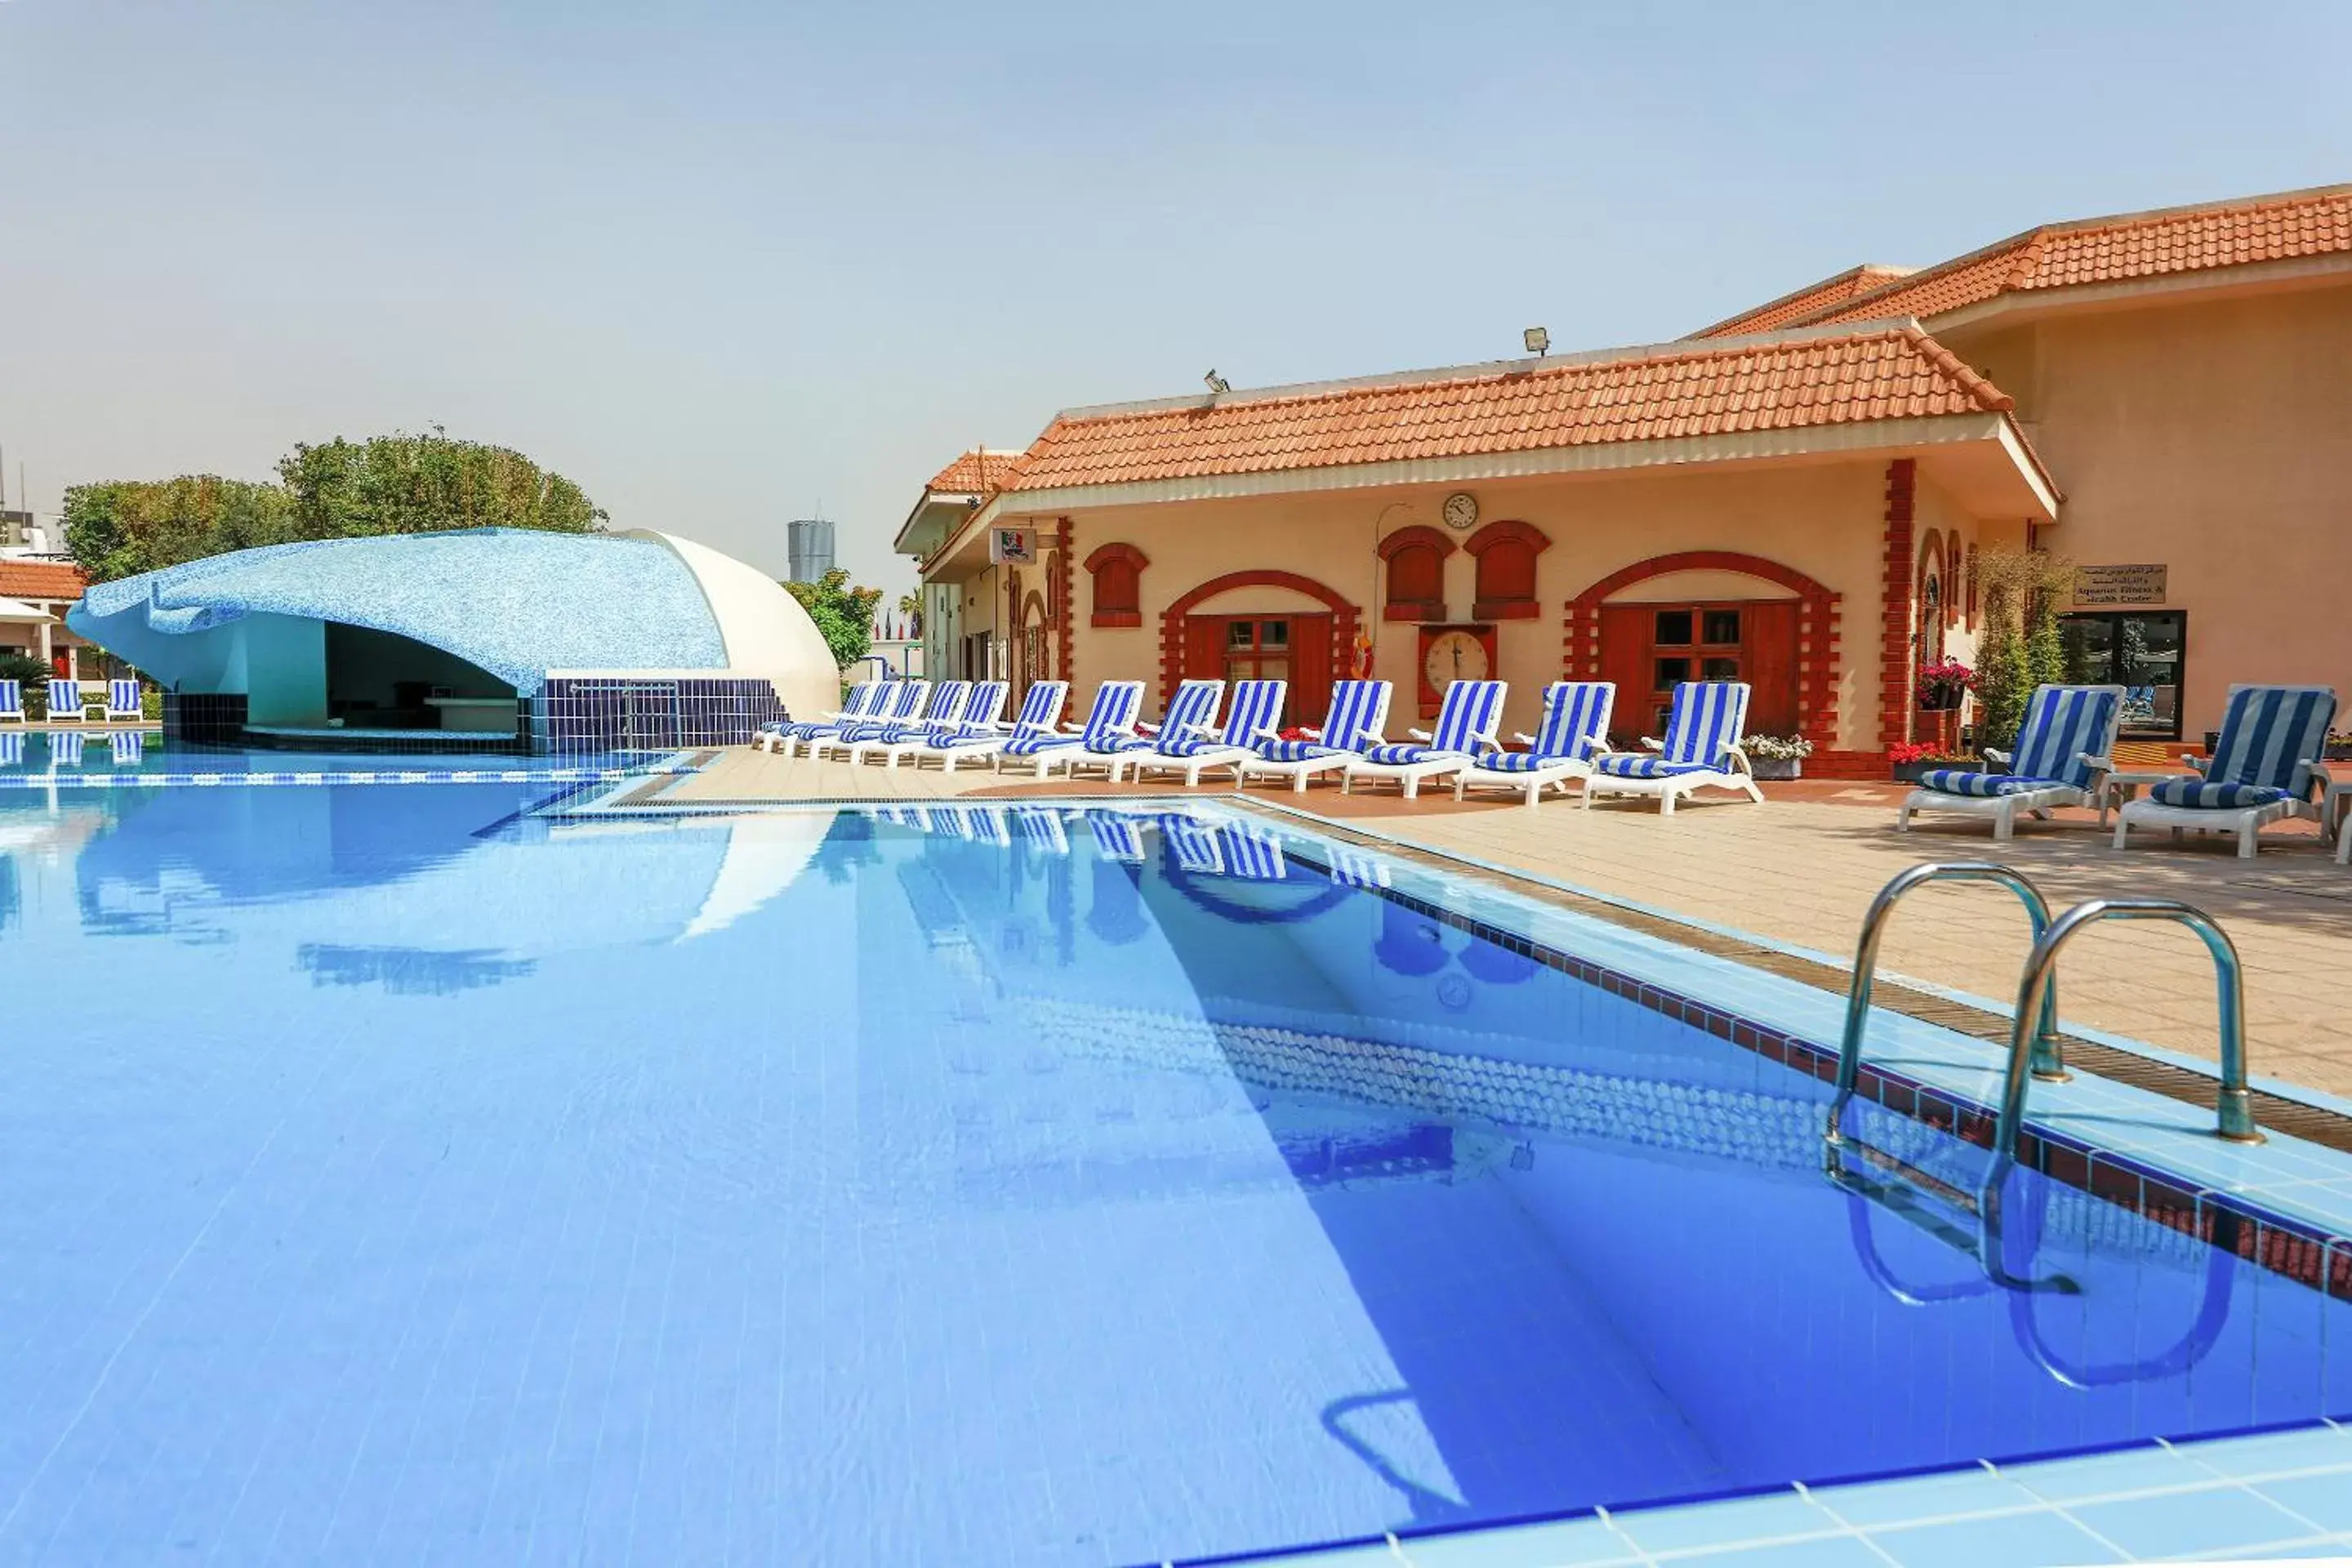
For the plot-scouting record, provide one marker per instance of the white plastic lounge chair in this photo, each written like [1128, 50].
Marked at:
[65, 702]
[1255, 713]
[1466, 720]
[1040, 716]
[983, 716]
[1191, 712]
[2066, 741]
[1360, 709]
[122, 702]
[945, 711]
[1193, 843]
[1117, 836]
[1574, 731]
[1255, 853]
[863, 701]
[905, 705]
[12, 702]
[1109, 721]
[2265, 762]
[1700, 751]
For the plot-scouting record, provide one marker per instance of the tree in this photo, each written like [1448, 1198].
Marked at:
[911, 607]
[421, 484]
[2021, 647]
[341, 489]
[844, 614]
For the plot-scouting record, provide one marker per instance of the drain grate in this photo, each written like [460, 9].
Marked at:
[2275, 1114]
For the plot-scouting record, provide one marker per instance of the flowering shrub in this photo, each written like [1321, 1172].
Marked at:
[1779, 747]
[1904, 752]
[1941, 683]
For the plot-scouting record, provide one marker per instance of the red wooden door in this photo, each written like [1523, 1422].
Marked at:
[1204, 649]
[1625, 659]
[1769, 654]
[1310, 670]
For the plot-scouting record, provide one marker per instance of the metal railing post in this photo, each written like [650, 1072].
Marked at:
[2047, 1062]
[2233, 1109]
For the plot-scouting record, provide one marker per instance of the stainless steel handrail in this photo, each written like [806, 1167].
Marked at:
[2048, 1063]
[2234, 1109]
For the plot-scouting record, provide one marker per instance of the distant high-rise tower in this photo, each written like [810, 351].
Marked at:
[808, 543]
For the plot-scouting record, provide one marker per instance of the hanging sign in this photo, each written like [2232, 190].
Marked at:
[2119, 584]
[1012, 547]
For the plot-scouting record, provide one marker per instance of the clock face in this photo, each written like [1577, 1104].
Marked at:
[1453, 656]
[1461, 510]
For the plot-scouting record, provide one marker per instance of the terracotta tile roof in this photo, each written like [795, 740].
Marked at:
[1803, 302]
[1681, 390]
[980, 472]
[2117, 250]
[41, 580]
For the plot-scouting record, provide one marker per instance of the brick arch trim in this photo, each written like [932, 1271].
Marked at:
[1501, 529]
[1104, 554]
[1817, 626]
[1411, 534]
[1345, 616]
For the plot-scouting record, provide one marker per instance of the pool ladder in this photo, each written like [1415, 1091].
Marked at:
[2033, 1046]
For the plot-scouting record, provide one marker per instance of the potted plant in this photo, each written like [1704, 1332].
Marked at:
[1777, 756]
[2339, 745]
[1941, 685]
[1913, 758]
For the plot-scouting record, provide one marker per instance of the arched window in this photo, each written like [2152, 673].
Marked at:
[1506, 552]
[1415, 558]
[1117, 572]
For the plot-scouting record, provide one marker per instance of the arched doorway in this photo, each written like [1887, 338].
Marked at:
[1033, 647]
[1710, 615]
[1276, 624]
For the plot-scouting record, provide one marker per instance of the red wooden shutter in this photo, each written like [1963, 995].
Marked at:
[1769, 657]
[1625, 659]
[1310, 670]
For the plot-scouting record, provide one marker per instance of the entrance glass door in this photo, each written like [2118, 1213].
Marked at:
[2143, 651]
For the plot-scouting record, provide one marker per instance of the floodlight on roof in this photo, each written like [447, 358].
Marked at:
[1216, 383]
[1537, 340]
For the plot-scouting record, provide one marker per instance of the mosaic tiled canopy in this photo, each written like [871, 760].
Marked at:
[513, 601]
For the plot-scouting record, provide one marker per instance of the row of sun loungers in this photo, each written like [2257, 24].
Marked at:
[951, 722]
[72, 702]
[2268, 765]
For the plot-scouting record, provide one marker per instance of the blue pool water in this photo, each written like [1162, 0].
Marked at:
[395, 1175]
[98, 758]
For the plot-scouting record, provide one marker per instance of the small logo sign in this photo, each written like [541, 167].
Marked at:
[1013, 546]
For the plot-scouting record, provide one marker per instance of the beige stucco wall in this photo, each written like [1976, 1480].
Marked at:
[1825, 519]
[2216, 440]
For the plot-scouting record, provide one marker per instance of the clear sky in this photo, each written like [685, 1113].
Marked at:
[722, 260]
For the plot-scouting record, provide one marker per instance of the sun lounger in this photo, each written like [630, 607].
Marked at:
[2066, 741]
[908, 702]
[65, 702]
[1360, 709]
[864, 701]
[1574, 731]
[12, 702]
[1466, 720]
[1109, 720]
[122, 705]
[944, 711]
[2266, 762]
[1700, 750]
[1040, 716]
[982, 718]
[1192, 711]
[1256, 712]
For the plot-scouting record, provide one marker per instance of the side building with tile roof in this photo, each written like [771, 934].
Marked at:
[1795, 497]
[34, 598]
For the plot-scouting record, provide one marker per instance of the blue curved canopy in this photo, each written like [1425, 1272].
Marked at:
[514, 602]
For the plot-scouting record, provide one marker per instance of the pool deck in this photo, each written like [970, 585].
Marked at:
[1802, 870]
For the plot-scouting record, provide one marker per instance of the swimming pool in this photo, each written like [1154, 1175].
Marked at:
[104, 758]
[401, 1175]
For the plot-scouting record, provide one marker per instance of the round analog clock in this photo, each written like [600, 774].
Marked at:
[1453, 656]
[1461, 510]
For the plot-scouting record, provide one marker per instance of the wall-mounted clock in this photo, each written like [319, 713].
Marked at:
[1460, 511]
[1449, 654]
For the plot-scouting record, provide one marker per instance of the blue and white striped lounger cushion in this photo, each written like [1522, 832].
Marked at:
[65, 697]
[1113, 713]
[1355, 707]
[1256, 705]
[1195, 704]
[1981, 786]
[945, 712]
[2199, 795]
[907, 697]
[1705, 724]
[1465, 719]
[123, 697]
[12, 699]
[1574, 712]
[2062, 723]
[865, 699]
